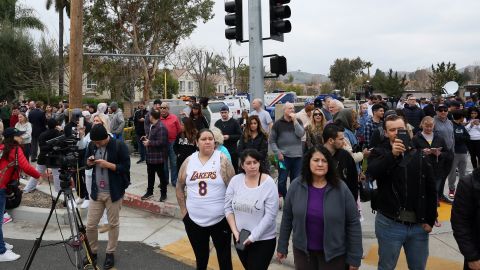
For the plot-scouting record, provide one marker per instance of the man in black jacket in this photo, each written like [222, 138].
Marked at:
[39, 124]
[406, 199]
[466, 219]
[334, 139]
[231, 134]
[139, 121]
[413, 113]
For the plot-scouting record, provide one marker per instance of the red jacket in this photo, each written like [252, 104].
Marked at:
[10, 173]
[13, 120]
[173, 126]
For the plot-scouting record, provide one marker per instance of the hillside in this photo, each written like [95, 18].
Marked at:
[305, 77]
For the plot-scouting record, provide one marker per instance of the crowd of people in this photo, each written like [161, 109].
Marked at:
[397, 156]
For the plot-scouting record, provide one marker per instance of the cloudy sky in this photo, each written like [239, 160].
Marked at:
[402, 35]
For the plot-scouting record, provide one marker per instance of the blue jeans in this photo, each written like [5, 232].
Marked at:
[3, 197]
[172, 161]
[392, 236]
[293, 167]
[141, 148]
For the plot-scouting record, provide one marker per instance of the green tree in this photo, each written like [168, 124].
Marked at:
[390, 84]
[243, 78]
[17, 16]
[344, 71]
[158, 85]
[60, 5]
[444, 73]
[142, 27]
[17, 52]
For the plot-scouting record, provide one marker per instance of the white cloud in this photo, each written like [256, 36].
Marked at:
[403, 35]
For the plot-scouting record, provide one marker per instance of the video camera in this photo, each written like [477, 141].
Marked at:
[63, 153]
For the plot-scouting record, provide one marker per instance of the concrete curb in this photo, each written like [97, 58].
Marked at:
[155, 207]
[39, 215]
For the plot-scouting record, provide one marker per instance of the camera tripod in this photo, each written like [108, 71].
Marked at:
[78, 239]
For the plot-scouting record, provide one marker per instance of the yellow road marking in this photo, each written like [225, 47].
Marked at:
[435, 263]
[444, 212]
[181, 250]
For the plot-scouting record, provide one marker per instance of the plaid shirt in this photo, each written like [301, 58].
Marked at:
[370, 126]
[157, 136]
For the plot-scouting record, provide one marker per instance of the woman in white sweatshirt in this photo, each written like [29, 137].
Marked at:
[251, 206]
[473, 128]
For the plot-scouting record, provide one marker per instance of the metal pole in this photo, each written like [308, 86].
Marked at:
[165, 83]
[256, 49]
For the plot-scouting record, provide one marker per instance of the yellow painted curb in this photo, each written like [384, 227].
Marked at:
[182, 251]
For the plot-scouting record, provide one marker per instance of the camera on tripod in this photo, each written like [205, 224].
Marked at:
[63, 154]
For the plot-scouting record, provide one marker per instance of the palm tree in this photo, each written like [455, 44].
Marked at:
[368, 65]
[18, 16]
[59, 6]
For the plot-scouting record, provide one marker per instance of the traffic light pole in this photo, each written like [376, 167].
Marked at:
[256, 49]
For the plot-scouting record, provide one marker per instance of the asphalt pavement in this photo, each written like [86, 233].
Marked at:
[129, 255]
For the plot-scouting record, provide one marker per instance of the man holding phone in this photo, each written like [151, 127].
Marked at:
[406, 201]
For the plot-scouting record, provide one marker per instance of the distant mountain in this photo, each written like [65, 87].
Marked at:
[469, 67]
[305, 77]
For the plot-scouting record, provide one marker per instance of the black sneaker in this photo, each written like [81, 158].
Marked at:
[163, 197]
[93, 256]
[147, 196]
[109, 261]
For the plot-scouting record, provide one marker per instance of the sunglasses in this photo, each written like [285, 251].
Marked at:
[317, 114]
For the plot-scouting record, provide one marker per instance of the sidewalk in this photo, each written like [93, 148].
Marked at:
[158, 225]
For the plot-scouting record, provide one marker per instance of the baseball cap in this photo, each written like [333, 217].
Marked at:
[441, 106]
[11, 132]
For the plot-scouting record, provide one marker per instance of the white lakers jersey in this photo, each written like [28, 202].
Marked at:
[205, 190]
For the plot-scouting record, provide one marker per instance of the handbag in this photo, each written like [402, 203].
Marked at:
[13, 192]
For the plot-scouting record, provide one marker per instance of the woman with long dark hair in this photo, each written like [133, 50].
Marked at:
[205, 175]
[321, 212]
[185, 144]
[473, 128]
[197, 117]
[254, 137]
[12, 154]
[251, 206]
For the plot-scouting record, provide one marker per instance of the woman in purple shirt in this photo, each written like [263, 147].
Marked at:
[322, 215]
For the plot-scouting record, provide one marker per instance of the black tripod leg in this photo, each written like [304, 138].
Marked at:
[38, 241]
[82, 229]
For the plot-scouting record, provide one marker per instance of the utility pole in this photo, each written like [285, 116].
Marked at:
[256, 49]
[76, 54]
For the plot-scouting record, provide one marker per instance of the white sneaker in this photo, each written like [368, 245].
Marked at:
[79, 200]
[8, 246]
[85, 204]
[9, 256]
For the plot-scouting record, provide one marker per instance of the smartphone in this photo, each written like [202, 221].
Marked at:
[81, 122]
[403, 135]
[244, 234]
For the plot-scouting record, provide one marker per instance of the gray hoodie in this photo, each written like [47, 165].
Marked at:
[444, 128]
[342, 229]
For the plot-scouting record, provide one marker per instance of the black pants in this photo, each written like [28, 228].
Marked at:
[315, 260]
[200, 240]
[234, 157]
[158, 169]
[34, 148]
[474, 150]
[26, 150]
[80, 185]
[257, 256]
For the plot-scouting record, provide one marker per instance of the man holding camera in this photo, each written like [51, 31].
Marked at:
[110, 161]
[406, 199]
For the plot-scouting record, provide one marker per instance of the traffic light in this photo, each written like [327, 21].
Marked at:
[234, 19]
[278, 65]
[278, 13]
